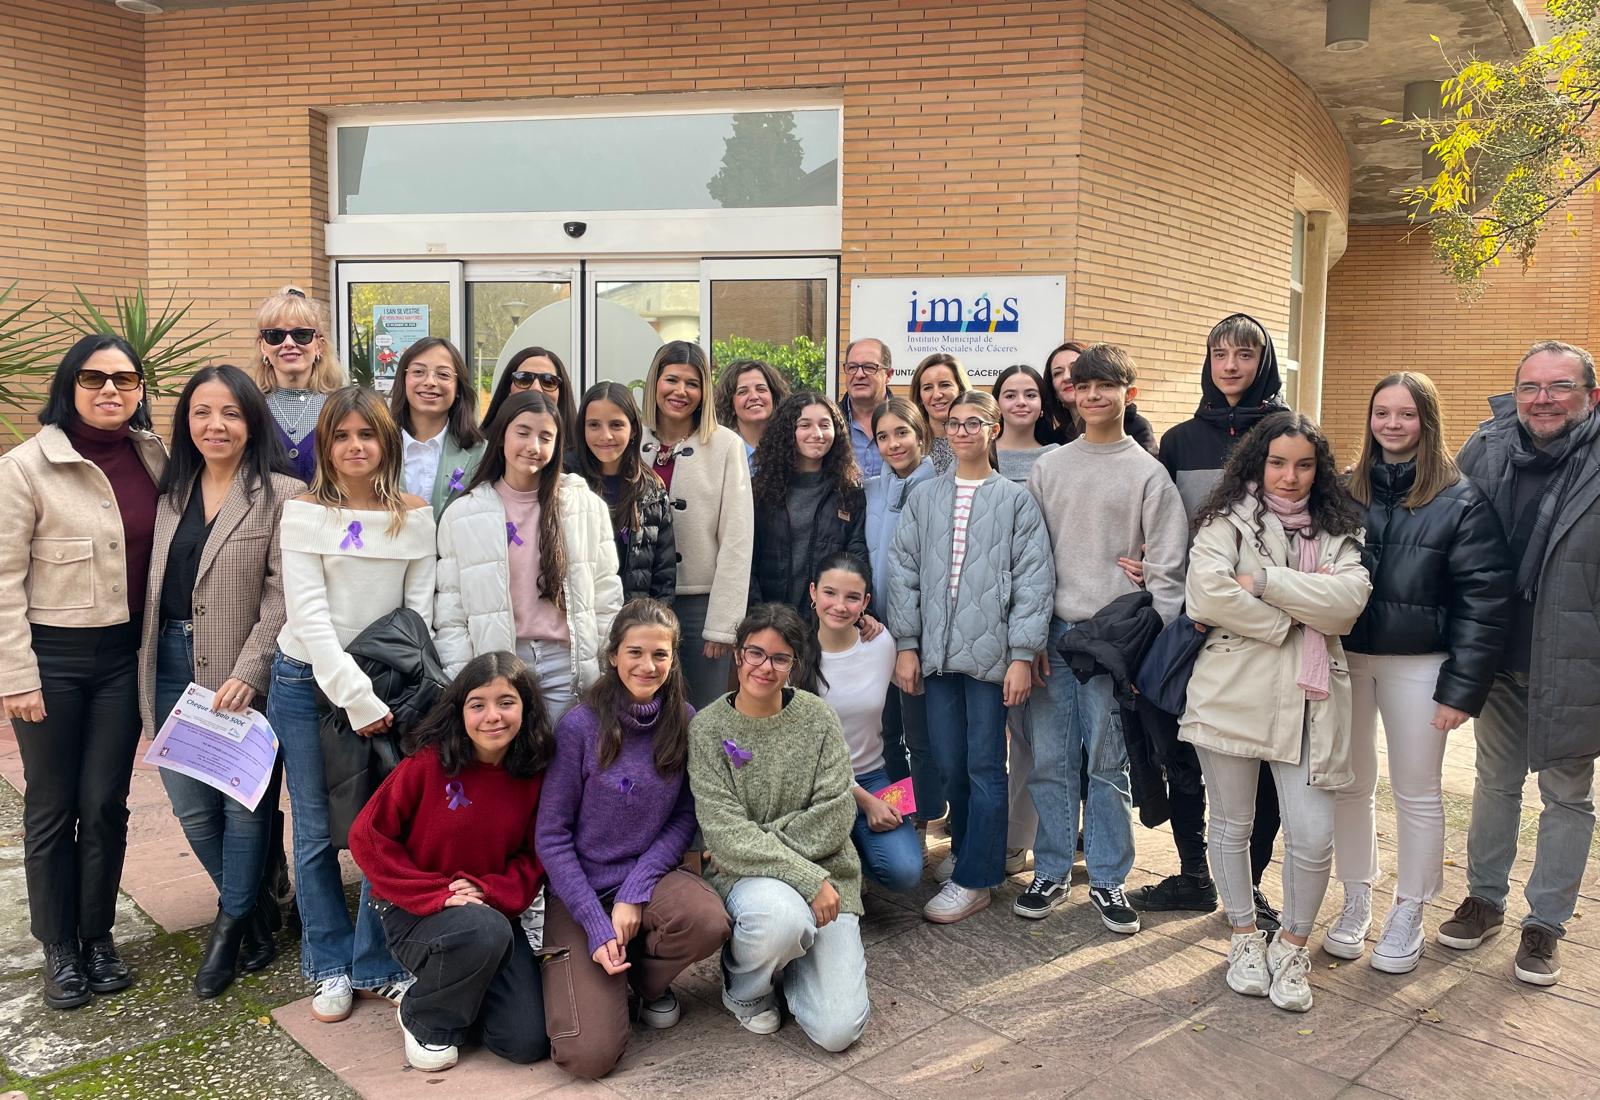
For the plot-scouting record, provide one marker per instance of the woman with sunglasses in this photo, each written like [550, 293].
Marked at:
[77, 520]
[707, 476]
[436, 406]
[297, 371]
[537, 369]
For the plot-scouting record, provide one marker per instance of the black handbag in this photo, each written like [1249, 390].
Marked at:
[1163, 677]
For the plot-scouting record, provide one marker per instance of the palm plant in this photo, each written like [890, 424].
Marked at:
[27, 357]
[167, 364]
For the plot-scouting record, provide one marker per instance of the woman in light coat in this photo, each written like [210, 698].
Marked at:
[1276, 572]
[527, 561]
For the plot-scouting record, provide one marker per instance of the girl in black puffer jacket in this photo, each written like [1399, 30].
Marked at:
[1422, 655]
[641, 513]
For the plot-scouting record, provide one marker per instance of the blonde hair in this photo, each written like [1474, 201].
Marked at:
[290, 308]
[388, 484]
[1436, 470]
[681, 353]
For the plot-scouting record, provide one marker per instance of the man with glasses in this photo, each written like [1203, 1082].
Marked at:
[1538, 461]
[866, 384]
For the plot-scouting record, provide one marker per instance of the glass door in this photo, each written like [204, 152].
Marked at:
[781, 311]
[387, 307]
[516, 306]
[631, 309]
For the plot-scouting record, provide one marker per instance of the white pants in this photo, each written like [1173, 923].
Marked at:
[551, 664]
[1401, 690]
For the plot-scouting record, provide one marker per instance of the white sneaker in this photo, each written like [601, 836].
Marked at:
[662, 1012]
[1291, 978]
[1400, 946]
[427, 1057]
[955, 902]
[1017, 860]
[762, 1023]
[1347, 935]
[394, 992]
[333, 1000]
[946, 868]
[1247, 965]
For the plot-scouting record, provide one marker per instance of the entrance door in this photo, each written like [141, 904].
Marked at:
[385, 308]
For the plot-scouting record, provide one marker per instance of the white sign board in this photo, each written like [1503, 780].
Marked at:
[987, 321]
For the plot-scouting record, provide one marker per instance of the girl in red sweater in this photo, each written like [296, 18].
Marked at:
[447, 845]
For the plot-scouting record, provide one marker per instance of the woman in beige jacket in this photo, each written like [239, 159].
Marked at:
[77, 510]
[1276, 572]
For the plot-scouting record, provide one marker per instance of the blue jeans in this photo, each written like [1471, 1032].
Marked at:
[229, 841]
[330, 945]
[893, 859]
[906, 716]
[967, 730]
[1070, 719]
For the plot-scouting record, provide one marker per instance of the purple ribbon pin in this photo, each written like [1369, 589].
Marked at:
[458, 797]
[737, 756]
[511, 533]
[456, 485]
[352, 536]
[625, 785]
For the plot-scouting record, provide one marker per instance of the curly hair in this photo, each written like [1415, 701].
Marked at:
[1333, 512]
[728, 383]
[776, 457]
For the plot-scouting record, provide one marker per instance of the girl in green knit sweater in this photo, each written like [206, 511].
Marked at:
[771, 780]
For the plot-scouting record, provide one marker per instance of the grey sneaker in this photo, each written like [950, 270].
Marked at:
[1473, 921]
[1538, 959]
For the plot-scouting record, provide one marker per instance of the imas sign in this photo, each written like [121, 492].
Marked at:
[986, 322]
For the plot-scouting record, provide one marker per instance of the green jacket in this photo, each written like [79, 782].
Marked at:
[455, 466]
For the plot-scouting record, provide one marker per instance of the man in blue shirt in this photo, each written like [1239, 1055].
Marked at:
[866, 384]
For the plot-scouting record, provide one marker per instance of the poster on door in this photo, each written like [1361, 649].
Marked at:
[394, 329]
[987, 322]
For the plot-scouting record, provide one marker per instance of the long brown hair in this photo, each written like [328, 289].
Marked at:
[1436, 470]
[462, 420]
[389, 482]
[937, 359]
[608, 696]
[552, 547]
[636, 481]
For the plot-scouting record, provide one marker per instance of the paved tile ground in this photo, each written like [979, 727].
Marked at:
[995, 1006]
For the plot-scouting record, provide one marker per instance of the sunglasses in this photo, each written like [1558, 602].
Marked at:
[97, 379]
[276, 336]
[526, 378]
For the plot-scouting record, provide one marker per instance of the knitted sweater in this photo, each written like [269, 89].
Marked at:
[773, 797]
[613, 829]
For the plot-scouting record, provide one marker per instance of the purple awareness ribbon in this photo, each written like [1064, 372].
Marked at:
[456, 485]
[458, 797]
[352, 536]
[625, 785]
[737, 756]
[511, 533]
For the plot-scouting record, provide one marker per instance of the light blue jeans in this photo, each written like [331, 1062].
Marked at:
[824, 969]
[1566, 824]
[1069, 718]
[551, 663]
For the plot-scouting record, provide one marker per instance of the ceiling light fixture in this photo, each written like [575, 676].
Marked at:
[1349, 25]
[139, 7]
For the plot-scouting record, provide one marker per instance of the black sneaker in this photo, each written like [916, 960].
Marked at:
[1266, 916]
[1196, 895]
[1115, 911]
[1040, 898]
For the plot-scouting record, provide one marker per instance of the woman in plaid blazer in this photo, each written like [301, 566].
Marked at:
[212, 615]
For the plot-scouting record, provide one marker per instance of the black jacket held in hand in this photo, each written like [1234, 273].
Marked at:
[648, 553]
[837, 525]
[1441, 583]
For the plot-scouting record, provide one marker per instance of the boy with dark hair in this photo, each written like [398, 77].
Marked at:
[1103, 497]
[1239, 385]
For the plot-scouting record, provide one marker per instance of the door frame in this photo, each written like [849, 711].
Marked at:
[346, 272]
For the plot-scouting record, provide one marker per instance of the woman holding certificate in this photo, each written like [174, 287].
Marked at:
[212, 613]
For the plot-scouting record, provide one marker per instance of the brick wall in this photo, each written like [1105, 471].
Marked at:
[1389, 309]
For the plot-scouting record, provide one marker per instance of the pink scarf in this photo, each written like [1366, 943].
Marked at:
[1295, 516]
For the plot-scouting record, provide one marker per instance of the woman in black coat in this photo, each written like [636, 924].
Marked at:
[1423, 655]
[809, 500]
[641, 513]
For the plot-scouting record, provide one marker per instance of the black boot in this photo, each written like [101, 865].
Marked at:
[66, 984]
[221, 961]
[258, 949]
[107, 972]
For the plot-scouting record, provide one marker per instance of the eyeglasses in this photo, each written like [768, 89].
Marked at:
[867, 369]
[1556, 391]
[526, 378]
[422, 374]
[97, 379]
[753, 656]
[966, 427]
[275, 336]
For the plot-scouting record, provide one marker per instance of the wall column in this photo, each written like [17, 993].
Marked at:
[1313, 314]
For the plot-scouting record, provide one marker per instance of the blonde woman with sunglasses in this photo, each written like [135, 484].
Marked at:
[297, 370]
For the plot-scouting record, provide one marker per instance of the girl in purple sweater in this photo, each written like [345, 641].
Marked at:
[615, 818]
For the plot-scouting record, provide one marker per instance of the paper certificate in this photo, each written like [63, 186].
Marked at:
[232, 752]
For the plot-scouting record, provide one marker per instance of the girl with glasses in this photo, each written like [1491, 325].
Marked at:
[436, 406]
[970, 591]
[77, 523]
[771, 779]
[537, 370]
[297, 371]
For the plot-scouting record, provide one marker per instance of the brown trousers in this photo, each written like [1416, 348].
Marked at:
[586, 1009]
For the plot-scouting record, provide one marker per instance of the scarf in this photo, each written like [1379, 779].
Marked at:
[1564, 474]
[1295, 516]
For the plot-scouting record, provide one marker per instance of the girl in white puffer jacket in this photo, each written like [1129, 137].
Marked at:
[527, 561]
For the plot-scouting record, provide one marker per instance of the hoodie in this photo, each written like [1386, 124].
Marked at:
[1194, 451]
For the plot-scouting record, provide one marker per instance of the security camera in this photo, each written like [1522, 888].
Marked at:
[575, 229]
